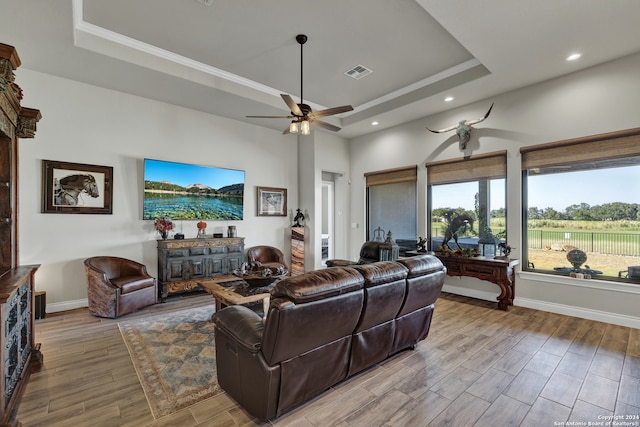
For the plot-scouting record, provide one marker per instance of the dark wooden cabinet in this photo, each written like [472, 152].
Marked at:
[181, 263]
[19, 354]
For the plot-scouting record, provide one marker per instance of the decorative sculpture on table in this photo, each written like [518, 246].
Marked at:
[421, 244]
[505, 249]
[463, 129]
[457, 225]
[298, 218]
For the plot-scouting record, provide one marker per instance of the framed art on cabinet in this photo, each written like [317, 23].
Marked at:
[272, 201]
[76, 188]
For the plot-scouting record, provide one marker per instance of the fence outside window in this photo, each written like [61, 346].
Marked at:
[600, 242]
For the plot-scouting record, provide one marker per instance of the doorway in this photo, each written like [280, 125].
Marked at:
[328, 202]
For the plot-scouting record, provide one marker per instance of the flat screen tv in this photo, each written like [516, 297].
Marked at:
[192, 192]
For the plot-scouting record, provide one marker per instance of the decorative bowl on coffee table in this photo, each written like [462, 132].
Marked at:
[259, 276]
[259, 281]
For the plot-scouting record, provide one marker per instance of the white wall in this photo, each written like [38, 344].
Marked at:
[598, 100]
[87, 124]
[322, 152]
[332, 155]
[91, 125]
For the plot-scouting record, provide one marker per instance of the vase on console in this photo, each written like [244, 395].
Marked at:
[163, 225]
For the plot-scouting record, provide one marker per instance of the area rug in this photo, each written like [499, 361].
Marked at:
[174, 357]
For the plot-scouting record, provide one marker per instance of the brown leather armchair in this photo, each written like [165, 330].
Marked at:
[267, 256]
[117, 286]
[369, 252]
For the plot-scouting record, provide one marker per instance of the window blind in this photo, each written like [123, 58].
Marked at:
[392, 176]
[605, 146]
[472, 168]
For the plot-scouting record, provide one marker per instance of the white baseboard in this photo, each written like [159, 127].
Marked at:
[470, 292]
[584, 313]
[568, 310]
[67, 305]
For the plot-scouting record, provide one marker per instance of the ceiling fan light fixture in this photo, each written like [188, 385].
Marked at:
[305, 128]
[301, 113]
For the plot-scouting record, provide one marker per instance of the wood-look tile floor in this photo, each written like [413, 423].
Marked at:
[479, 367]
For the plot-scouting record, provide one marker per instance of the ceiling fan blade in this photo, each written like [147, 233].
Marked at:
[286, 131]
[325, 125]
[331, 111]
[270, 117]
[292, 105]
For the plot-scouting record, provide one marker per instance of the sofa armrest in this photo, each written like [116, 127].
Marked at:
[240, 324]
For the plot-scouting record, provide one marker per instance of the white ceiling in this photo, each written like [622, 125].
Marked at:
[235, 57]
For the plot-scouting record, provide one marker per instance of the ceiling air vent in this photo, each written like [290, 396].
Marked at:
[358, 72]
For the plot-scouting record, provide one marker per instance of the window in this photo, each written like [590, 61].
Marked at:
[392, 205]
[581, 211]
[466, 199]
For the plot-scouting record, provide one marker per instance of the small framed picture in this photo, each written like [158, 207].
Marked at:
[272, 201]
[75, 188]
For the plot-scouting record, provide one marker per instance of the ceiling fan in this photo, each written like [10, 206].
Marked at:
[301, 113]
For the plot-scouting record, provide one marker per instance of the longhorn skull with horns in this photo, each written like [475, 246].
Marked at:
[463, 129]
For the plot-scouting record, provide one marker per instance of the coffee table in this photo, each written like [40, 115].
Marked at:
[231, 290]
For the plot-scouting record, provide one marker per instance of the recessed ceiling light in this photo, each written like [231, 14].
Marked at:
[374, 123]
[574, 56]
[449, 99]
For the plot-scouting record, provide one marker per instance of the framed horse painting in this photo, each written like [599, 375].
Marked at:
[76, 188]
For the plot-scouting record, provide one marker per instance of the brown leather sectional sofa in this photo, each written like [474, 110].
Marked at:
[321, 328]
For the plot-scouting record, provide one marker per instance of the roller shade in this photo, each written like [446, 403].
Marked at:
[606, 146]
[472, 168]
[392, 176]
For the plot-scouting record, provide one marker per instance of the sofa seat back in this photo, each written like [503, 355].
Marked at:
[310, 310]
[308, 331]
[425, 279]
[384, 293]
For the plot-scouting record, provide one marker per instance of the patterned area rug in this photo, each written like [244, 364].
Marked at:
[174, 357]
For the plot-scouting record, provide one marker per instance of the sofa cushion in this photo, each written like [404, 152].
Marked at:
[132, 283]
[381, 272]
[317, 285]
[424, 282]
[384, 285]
[421, 265]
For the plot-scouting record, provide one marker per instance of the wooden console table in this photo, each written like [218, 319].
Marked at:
[498, 271]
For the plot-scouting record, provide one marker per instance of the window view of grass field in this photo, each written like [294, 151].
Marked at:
[596, 210]
[591, 207]
[463, 200]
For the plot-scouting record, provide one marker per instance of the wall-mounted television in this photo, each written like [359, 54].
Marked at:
[192, 192]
